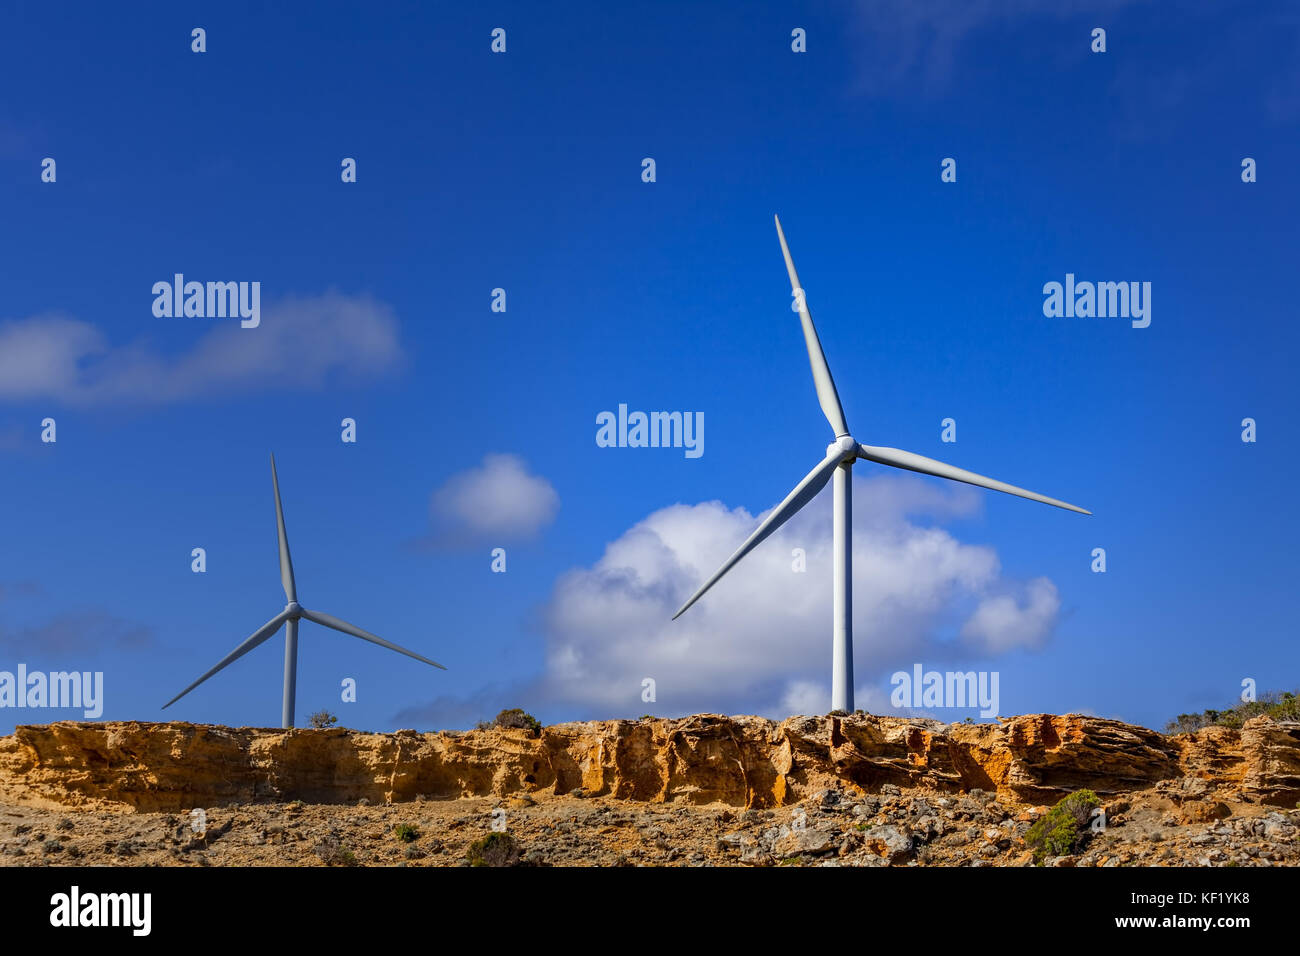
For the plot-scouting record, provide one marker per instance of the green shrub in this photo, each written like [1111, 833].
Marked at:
[1064, 828]
[322, 719]
[406, 833]
[495, 849]
[332, 852]
[517, 719]
[1280, 706]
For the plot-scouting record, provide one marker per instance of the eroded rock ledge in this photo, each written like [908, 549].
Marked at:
[707, 758]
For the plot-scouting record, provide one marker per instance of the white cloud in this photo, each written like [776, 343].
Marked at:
[759, 642]
[300, 343]
[1001, 623]
[499, 501]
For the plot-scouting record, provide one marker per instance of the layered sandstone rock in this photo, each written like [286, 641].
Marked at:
[704, 759]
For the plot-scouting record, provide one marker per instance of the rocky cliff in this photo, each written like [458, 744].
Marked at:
[742, 762]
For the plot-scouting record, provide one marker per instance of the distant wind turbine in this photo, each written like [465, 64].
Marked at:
[289, 617]
[840, 456]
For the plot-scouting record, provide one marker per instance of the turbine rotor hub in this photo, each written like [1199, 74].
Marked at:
[294, 609]
[845, 446]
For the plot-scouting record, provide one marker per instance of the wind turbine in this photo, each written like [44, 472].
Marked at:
[289, 617]
[840, 456]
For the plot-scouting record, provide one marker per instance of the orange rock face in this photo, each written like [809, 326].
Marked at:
[704, 759]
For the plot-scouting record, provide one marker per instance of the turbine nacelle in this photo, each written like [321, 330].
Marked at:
[845, 447]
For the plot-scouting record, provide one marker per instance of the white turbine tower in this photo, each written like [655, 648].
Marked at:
[289, 617]
[840, 456]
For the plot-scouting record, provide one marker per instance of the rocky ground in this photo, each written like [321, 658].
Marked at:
[895, 827]
[849, 790]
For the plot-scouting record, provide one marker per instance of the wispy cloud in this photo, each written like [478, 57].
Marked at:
[498, 501]
[914, 47]
[301, 343]
[86, 632]
[462, 712]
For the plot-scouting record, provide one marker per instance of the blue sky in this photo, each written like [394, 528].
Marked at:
[522, 171]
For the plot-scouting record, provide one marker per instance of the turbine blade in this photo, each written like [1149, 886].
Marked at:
[286, 565]
[264, 632]
[803, 493]
[329, 620]
[821, 372]
[928, 466]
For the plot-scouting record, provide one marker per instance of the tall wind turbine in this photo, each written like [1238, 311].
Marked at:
[840, 456]
[289, 617]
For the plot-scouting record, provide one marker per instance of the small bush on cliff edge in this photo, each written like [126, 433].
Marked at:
[322, 719]
[517, 719]
[1064, 828]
